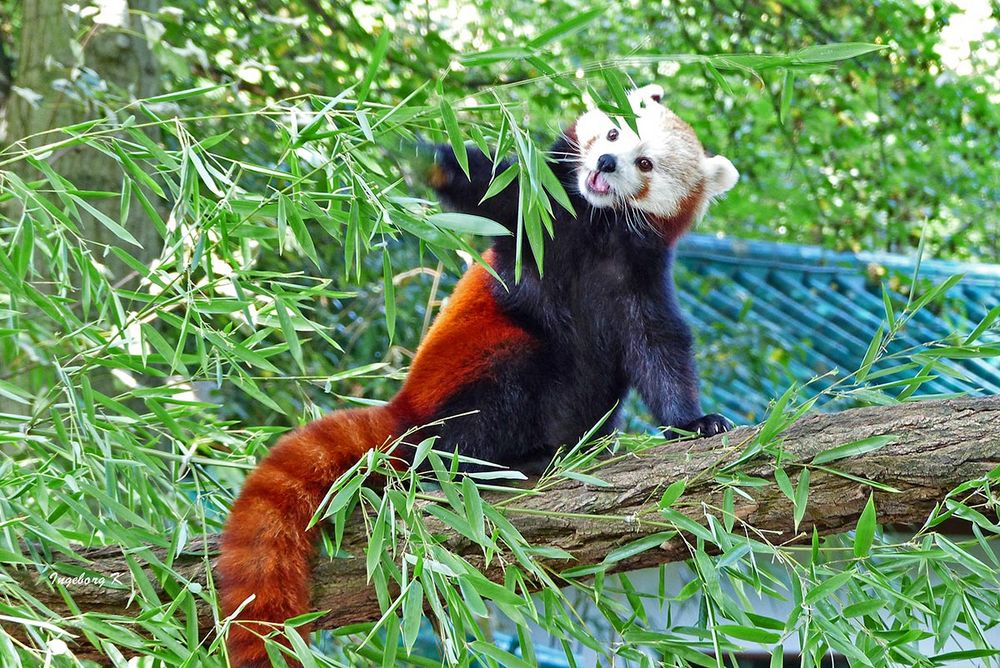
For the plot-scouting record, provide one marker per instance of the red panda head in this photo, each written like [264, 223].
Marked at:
[661, 170]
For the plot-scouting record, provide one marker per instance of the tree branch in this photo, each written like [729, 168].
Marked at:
[940, 445]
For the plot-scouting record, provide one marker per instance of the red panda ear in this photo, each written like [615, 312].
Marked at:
[720, 175]
[643, 98]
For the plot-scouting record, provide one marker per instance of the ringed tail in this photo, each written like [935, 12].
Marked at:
[266, 549]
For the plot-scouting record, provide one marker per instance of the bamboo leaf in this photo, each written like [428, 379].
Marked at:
[291, 336]
[567, 27]
[501, 181]
[830, 53]
[873, 347]
[776, 420]
[863, 608]
[503, 657]
[585, 478]
[468, 224]
[638, 546]
[185, 94]
[294, 219]
[622, 107]
[801, 497]
[988, 321]
[854, 448]
[787, 89]
[455, 135]
[107, 222]
[389, 295]
[784, 484]
[828, 587]
[748, 633]
[474, 508]
[719, 79]
[377, 56]
[672, 493]
[865, 531]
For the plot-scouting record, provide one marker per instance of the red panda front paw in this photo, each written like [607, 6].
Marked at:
[706, 425]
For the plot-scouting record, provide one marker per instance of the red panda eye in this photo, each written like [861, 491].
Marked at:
[645, 164]
[612, 134]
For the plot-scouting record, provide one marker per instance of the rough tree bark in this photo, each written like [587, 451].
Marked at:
[941, 445]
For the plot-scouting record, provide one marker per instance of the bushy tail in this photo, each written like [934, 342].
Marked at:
[266, 549]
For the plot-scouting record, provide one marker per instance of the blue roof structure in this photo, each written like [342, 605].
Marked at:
[768, 314]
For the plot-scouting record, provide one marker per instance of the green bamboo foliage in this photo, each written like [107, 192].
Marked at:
[134, 405]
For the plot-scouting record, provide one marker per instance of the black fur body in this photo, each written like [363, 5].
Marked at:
[604, 315]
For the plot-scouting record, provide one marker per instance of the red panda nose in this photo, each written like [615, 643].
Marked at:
[606, 163]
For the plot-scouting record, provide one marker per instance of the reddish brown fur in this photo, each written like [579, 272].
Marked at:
[671, 228]
[643, 189]
[266, 549]
[461, 346]
[437, 177]
[570, 134]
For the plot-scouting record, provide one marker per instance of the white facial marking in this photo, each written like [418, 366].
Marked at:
[656, 170]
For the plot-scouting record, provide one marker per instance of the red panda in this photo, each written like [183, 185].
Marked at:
[528, 366]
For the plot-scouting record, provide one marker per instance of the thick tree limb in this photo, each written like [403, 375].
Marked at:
[940, 445]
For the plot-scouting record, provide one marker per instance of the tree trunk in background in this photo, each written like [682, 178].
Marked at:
[5, 83]
[61, 59]
[49, 63]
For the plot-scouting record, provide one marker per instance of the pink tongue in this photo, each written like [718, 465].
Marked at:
[598, 183]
